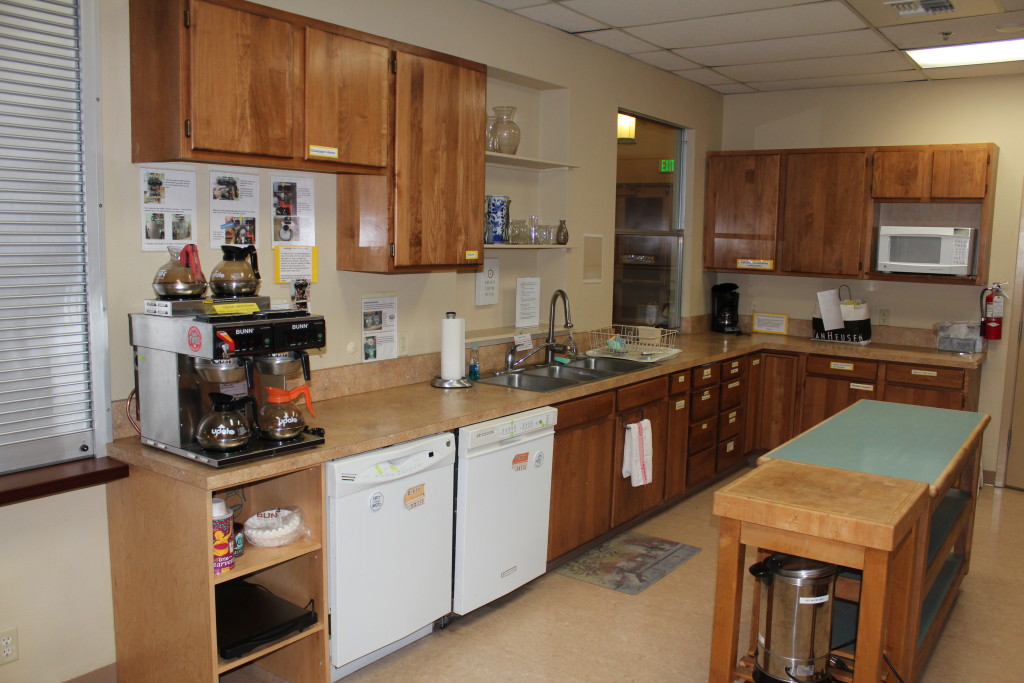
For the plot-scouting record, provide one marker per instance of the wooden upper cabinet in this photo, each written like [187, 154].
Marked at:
[931, 173]
[347, 99]
[741, 209]
[440, 121]
[244, 73]
[823, 225]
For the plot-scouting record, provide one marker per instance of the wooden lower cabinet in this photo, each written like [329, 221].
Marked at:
[923, 396]
[923, 385]
[678, 437]
[581, 475]
[826, 396]
[645, 400]
[776, 421]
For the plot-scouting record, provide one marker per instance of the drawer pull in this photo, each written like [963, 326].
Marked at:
[836, 365]
[680, 404]
[862, 387]
[925, 373]
[706, 373]
[733, 385]
[705, 396]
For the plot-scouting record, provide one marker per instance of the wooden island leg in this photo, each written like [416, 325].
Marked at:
[871, 620]
[728, 600]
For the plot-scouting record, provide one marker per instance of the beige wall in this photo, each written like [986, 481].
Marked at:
[956, 111]
[56, 555]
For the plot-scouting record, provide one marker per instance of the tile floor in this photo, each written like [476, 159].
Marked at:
[560, 629]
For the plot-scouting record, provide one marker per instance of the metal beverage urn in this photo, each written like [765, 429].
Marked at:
[795, 619]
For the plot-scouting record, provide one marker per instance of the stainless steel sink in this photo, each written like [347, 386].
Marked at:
[612, 365]
[576, 374]
[520, 380]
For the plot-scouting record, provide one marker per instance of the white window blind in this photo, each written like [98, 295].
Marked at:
[48, 396]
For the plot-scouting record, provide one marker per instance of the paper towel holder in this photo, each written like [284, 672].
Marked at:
[457, 383]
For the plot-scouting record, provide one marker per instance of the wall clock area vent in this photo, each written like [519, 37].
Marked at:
[914, 8]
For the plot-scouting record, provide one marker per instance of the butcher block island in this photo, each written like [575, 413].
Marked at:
[885, 491]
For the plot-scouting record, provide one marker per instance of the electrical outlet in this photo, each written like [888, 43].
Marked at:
[883, 316]
[403, 344]
[8, 645]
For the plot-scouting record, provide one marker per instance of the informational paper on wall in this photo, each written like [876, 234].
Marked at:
[487, 283]
[292, 208]
[168, 208]
[380, 328]
[527, 302]
[234, 208]
[295, 263]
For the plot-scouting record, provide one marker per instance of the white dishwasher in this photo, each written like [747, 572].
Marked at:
[503, 496]
[389, 536]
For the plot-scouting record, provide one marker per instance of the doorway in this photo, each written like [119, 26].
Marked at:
[648, 224]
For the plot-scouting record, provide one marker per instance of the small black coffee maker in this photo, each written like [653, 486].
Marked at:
[725, 308]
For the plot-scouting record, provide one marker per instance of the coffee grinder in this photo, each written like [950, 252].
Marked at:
[725, 308]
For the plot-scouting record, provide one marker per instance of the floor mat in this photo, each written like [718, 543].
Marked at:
[628, 563]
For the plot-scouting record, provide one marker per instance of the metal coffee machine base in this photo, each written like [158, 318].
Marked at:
[254, 450]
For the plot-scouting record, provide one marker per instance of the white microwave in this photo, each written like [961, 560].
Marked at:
[931, 251]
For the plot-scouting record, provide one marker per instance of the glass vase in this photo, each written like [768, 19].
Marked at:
[506, 131]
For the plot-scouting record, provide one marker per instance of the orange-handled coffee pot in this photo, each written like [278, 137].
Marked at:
[279, 419]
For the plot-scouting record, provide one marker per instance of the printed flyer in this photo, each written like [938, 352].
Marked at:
[168, 208]
[234, 204]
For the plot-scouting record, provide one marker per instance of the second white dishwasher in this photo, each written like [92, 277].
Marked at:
[389, 533]
[503, 496]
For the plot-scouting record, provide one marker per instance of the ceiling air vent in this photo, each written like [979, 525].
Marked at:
[915, 8]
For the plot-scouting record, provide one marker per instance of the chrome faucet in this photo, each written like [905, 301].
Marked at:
[549, 356]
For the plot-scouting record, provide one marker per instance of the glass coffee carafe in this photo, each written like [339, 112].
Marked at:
[182, 276]
[225, 427]
[238, 274]
[279, 419]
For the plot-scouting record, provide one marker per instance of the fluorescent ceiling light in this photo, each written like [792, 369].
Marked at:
[974, 53]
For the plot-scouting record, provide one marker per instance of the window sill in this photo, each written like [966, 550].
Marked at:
[18, 487]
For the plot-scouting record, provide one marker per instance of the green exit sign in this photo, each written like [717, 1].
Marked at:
[668, 165]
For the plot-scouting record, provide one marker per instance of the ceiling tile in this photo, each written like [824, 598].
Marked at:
[619, 13]
[732, 88]
[969, 30]
[617, 40]
[514, 4]
[839, 81]
[781, 49]
[784, 22]
[561, 18]
[813, 68]
[663, 59]
[704, 76]
[1013, 5]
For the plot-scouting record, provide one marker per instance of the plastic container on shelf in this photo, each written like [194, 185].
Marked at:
[223, 538]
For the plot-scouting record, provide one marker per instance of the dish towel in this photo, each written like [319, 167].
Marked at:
[636, 453]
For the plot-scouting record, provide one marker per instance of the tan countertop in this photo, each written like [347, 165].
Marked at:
[363, 422]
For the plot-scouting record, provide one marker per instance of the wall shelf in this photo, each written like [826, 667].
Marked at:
[513, 161]
[488, 247]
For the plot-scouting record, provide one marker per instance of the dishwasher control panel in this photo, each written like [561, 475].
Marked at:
[504, 428]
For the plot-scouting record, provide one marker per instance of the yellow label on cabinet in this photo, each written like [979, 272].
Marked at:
[862, 387]
[840, 366]
[472, 255]
[705, 396]
[681, 378]
[733, 385]
[321, 152]
[755, 263]
[680, 404]
[704, 425]
[729, 447]
[707, 373]
[925, 373]
[756, 361]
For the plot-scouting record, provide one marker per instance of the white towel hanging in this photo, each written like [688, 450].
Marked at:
[636, 453]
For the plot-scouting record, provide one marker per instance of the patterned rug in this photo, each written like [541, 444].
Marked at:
[628, 563]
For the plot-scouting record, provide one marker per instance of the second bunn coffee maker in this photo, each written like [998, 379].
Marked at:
[725, 308]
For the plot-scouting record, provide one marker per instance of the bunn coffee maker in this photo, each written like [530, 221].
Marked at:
[725, 308]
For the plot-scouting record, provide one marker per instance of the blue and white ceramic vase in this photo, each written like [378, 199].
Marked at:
[496, 218]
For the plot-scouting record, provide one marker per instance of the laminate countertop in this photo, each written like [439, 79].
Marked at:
[362, 422]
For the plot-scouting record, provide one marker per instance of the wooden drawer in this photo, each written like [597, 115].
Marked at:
[704, 403]
[729, 453]
[924, 376]
[734, 393]
[583, 410]
[703, 434]
[736, 367]
[641, 394]
[700, 467]
[730, 422]
[842, 367]
[679, 382]
[706, 375]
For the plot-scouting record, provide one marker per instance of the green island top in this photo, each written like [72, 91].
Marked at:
[889, 439]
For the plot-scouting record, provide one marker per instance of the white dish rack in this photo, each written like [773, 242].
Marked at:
[633, 342]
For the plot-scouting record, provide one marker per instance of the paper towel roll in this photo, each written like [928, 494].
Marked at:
[453, 347]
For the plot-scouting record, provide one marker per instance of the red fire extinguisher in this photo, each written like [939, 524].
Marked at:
[993, 299]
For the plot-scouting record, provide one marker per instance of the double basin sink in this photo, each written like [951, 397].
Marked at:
[560, 376]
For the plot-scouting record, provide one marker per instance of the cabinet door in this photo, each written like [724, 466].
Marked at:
[741, 210]
[347, 103]
[629, 501]
[826, 396]
[959, 173]
[440, 122]
[581, 485]
[779, 400]
[755, 387]
[678, 432]
[900, 174]
[824, 220]
[923, 396]
[244, 76]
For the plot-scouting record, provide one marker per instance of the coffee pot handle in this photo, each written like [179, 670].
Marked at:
[253, 261]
